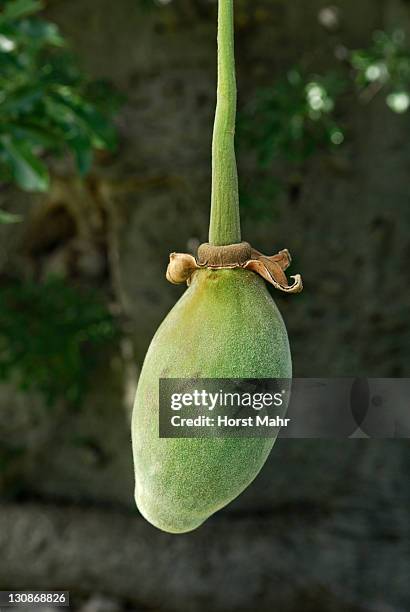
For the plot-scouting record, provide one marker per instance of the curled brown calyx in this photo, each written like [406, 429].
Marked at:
[182, 265]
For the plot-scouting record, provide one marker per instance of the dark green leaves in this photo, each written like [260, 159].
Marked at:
[50, 337]
[46, 104]
[27, 171]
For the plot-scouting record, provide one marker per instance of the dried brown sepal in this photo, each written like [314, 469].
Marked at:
[182, 265]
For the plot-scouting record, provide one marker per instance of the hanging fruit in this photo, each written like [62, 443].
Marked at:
[226, 325]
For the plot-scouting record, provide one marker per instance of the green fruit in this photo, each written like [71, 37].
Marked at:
[226, 325]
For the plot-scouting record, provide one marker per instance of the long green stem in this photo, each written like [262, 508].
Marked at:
[224, 226]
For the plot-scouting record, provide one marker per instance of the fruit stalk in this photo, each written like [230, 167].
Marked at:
[224, 227]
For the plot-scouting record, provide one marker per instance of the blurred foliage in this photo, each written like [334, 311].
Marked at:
[49, 336]
[292, 118]
[385, 66]
[282, 125]
[46, 103]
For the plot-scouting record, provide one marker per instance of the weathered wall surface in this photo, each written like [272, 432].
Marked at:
[310, 561]
[325, 526]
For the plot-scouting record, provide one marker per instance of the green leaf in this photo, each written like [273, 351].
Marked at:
[22, 100]
[20, 8]
[102, 132]
[83, 152]
[36, 135]
[28, 171]
[6, 217]
[41, 31]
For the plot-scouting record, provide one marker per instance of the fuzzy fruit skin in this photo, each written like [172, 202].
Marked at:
[226, 325]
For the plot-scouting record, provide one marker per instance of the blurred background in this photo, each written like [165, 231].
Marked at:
[106, 113]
